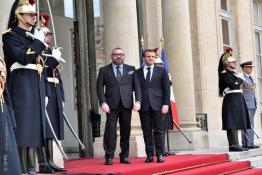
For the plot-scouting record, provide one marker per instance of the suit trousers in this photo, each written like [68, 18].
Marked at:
[248, 134]
[152, 123]
[110, 135]
[232, 137]
[27, 159]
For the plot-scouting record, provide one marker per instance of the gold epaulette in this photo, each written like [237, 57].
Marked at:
[6, 31]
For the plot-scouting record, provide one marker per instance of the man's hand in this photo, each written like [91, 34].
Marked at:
[137, 106]
[105, 108]
[164, 109]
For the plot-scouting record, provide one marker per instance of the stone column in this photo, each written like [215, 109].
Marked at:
[242, 15]
[120, 21]
[152, 22]
[176, 27]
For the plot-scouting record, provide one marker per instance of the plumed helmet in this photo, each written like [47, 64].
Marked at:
[227, 57]
[25, 6]
[44, 19]
[158, 61]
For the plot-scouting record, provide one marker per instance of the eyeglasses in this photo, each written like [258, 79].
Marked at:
[118, 54]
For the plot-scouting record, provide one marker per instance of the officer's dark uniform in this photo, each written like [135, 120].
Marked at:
[234, 110]
[55, 94]
[9, 160]
[26, 86]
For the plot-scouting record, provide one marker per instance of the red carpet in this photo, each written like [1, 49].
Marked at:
[138, 167]
[173, 165]
[249, 172]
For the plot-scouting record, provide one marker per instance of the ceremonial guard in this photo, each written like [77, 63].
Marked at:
[250, 99]
[22, 50]
[54, 100]
[9, 160]
[234, 110]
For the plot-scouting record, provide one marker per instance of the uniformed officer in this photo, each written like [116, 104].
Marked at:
[250, 99]
[25, 80]
[234, 110]
[54, 101]
[9, 160]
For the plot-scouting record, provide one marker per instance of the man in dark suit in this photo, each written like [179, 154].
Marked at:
[115, 86]
[155, 88]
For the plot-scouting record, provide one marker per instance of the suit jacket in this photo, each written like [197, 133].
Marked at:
[249, 92]
[157, 93]
[110, 91]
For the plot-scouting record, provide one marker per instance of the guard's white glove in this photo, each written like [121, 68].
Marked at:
[40, 35]
[57, 54]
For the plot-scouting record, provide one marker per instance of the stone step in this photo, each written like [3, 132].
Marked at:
[245, 154]
[256, 161]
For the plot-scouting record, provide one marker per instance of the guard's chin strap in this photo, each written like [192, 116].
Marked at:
[232, 68]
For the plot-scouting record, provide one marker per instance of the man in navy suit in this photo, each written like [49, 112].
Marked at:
[155, 86]
[115, 86]
[250, 99]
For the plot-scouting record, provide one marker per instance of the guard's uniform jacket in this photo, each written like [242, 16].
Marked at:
[9, 160]
[26, 86]
[234, 109]
[55, 93]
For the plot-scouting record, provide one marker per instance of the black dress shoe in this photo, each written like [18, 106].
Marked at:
[168, 153]
[237, 148]
[45, 168]
[56, 168]
[149, 159]
[160, 159]
[251, 147]
[109, 162]
[125, 160]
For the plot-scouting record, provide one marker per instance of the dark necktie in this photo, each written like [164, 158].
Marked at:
[118, 73]
[148, 75]
[251, 79]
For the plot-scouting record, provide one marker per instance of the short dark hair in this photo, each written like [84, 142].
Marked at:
[147, 50]
[117, 48]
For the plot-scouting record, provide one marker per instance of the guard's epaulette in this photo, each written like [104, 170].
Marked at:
[6, 31]
[223, 71]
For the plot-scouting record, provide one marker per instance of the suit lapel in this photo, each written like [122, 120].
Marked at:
[112, 72]
[125, 72]
[142, 73]
[154, 74]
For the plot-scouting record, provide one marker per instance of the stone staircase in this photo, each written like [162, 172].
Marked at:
[252, 155]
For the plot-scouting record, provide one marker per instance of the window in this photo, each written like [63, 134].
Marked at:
[63, 8]
[258, 32]
[225, 33]
[224, 5]
[225, 16]
[256, 13]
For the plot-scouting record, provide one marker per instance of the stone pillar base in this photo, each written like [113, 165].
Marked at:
[136, 147]
[178, 142]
